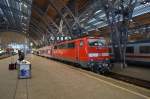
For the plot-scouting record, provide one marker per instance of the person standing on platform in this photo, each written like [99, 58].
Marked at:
[21, 55]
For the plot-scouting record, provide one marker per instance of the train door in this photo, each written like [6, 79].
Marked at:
[81, 50]
[79, 47]
[77, 51]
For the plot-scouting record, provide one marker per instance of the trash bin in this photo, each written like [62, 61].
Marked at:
[24, 69]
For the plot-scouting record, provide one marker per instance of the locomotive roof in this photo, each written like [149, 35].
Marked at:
[69, 41]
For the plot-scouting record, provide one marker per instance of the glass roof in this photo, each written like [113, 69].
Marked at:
[16, 14]
[98, 18]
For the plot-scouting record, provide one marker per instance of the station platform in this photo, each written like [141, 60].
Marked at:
[54, 80]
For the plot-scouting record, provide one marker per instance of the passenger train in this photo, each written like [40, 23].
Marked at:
[138, 52]
[90, 52]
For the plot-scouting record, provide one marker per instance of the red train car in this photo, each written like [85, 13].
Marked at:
[45, 51]
[89, 52]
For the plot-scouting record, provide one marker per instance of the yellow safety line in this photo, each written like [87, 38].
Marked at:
[136, 93]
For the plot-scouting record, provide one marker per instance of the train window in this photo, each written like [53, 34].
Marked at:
[130, 50]
[96, 42]
[63, 46]
[55, 47]
[110, 50]
[81, 43]
[144, 49]
[71, 45]
[60, 46]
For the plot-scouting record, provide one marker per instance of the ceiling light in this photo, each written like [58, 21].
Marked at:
[25, 5]
[98, 11]
[98, 23]
[103, 15]
[92, 20]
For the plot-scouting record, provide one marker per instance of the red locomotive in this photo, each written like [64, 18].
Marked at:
[89, 52]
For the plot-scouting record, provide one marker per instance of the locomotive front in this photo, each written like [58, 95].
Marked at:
[98, 54]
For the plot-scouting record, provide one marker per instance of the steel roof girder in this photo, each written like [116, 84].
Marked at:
[44, 19]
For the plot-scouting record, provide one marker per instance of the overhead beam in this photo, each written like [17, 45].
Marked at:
[61, 15]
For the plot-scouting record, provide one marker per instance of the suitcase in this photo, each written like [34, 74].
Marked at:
[12, 66]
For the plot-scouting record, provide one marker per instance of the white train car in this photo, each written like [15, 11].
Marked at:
[138, 52]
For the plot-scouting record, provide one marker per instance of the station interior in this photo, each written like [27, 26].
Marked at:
[74, 49]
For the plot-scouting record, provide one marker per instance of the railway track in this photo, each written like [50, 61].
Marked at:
[128, 79]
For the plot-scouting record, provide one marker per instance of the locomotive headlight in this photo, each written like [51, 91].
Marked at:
[93, 54]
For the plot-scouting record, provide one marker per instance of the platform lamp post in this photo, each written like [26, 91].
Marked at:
[31, 45]
[0, 44]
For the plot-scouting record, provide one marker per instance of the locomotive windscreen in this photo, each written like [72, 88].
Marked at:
[96, 42]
